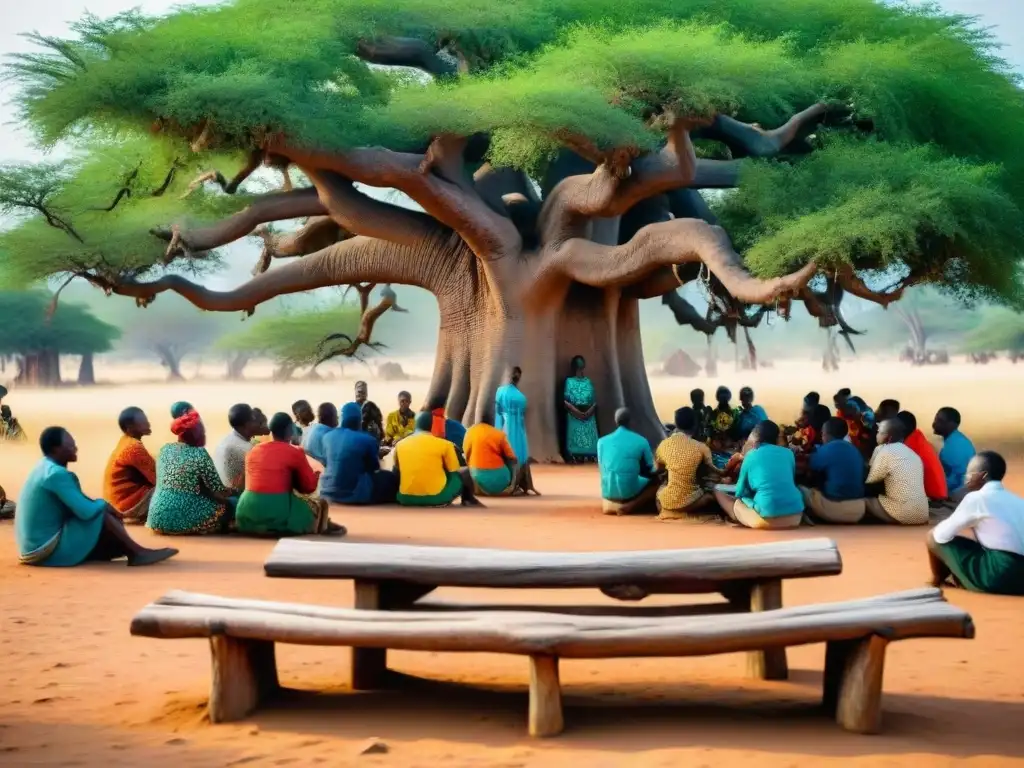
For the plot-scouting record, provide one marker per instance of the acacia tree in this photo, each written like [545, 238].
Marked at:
[36, 337]
[557, 153]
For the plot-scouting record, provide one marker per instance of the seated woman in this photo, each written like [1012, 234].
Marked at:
[130, 475]
[493, 464]
[58, 525]
[352, 472]
[279, 486]
[682, 496]
[766, 495]
[189, 497]
[400, 423]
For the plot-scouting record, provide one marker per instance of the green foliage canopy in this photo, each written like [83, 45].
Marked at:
[936, 189]
[27, 327]
[292, 339]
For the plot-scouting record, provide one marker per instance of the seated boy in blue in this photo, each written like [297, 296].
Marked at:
[837, 495]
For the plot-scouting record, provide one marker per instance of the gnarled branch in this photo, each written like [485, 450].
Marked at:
[668, 243]
[369, 318]
[746, 140]
[432, 180]
[228, 187]
[406, 52]
[317, 233]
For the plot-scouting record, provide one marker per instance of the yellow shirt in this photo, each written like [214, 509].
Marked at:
[424, 462]
[398, 428]
[681, 456]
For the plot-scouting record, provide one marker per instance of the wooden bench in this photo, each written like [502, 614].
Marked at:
[397, 577]
[242, 635]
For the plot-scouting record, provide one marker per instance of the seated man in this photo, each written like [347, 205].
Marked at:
[401, 423]
[934, 476]
[10, 429]
[683, 457]
[229, 456]
[766, 495]
[629, 484]
[450, 429]
[7, 507]
[58, 525]
[130, 476]
[326, 420]
[957, 451]
[493, 465]
[428, 469]
[748, 415]
[838, 469]
[895, 483]
[982, 544]
[279, 486]
[352, 473]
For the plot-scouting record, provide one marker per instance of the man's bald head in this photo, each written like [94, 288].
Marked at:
[622, 417]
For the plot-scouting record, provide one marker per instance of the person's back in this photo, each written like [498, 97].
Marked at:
[766, 482]
[957, 451]
[490, 459]
[351, 458]
[934, 477]
[277, 467]
[313, 441]
[842, 468]
[423, 463]
[902, 472]
[130, 474]
[681, 456]
[996, 515]
[624, 460]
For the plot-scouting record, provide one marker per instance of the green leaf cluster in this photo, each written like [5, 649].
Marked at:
[28, 327]
[292, 338]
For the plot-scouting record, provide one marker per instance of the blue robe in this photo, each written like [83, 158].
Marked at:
[510, 417]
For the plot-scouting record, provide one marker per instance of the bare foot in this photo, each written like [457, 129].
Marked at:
[334, 529]
[152, 556]
[473, 503]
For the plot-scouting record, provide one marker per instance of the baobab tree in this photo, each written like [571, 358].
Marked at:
[557, 154]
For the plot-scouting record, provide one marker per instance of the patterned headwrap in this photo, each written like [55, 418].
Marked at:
[180, 408]
[184, 423]
[437, 426]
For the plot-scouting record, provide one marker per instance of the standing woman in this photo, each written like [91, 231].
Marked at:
[189, 497]
[581, 420]
[510, 417]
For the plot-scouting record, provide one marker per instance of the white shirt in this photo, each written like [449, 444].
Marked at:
[229, 458]
[995, 514]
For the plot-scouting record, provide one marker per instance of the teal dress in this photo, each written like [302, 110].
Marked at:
[510, 411]
[580, 436]
[56, 523]
[179, 505]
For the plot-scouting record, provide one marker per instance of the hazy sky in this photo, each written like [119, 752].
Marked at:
[51, 17]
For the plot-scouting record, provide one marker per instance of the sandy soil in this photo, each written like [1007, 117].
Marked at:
[76, 689]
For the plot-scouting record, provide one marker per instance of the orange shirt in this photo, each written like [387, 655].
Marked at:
[486, 447]
[277, 467]
[934, 475]
[130, 474]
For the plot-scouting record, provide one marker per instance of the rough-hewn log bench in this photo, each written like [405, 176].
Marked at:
[396, 577]
[242, 635]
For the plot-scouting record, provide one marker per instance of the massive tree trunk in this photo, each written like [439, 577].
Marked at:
[86, 371]
[40, 369]
[171, 360]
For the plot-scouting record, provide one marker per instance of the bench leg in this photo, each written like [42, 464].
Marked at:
[859, 706]
[244, 674]
[545, 697]
[369, 665]
[770, 663]
[837, 653]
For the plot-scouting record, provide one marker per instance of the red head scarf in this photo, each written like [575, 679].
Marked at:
[438, 424]
[184, 423]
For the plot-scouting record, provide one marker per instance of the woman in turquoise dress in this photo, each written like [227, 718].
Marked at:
[581, 419]
[189, 497]
[510, 417]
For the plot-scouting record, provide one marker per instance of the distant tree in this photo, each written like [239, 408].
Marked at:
[36, 339]
[1001, 331]
[927, 314]
[296, 339]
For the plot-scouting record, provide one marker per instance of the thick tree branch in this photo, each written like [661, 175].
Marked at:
[406, 52]
[716, 174]
[369, 318]
[363, 215]
[853, 284]
[231, 186]
[746, 140]
[277, 206]
[317, 233]
[431, 180]
[354, 260]
[669, 243]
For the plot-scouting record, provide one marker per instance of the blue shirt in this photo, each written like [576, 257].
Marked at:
[766, 483]
[843, 467]
[957, 452]
[313, 442]
[747, 420]
[351, 458]
[53, 513]
[621, 456]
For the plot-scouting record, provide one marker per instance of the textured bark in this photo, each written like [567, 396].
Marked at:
[40, 369]
[86, 371]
